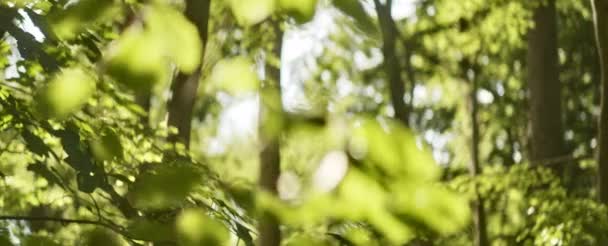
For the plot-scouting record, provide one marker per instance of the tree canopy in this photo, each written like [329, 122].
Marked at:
[303, 122]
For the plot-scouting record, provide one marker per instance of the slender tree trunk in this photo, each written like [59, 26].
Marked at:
[600, 16]
[271, 113]
[185, 85]
[391, 63]
[545, 90]
[411, 76]
[480, 232]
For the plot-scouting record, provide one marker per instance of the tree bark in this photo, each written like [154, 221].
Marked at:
[600, 17]
[185, 85]
[271, 111]
[547, 139]
[391, 63]
[480, 233]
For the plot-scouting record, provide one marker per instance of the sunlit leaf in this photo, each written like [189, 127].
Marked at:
[356, 192]
[180, 38]
[390, 147]
[131, 62]
[441, 210]
[195, 228]
[76, 82]
[302, 10]
[252, 11]
[69, 22]
[305, 240]
[235, 75]
[102, 237]
[141, 57]
[360, 236]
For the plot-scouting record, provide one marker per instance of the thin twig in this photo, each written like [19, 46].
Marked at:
[99, 218]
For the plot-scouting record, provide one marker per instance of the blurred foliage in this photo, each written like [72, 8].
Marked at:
[83, 162]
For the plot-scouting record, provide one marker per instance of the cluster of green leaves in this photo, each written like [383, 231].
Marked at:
[77, 154]
[529, 206]
[76, 144]
[448, 43]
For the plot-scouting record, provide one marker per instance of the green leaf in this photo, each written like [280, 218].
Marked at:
[302, 10]
[132, 63]
[243, 195]
[67, 92]
[5, 241]
[35, 143]
[141, 57]
[243, 234]
[107, 147]
[87, 182]
[301, 239]
[35, 240]
[70, 140]
[144, 229]
[164, 187]
[102, 237]
[180, 38]
[235, 75]
[40, 169]
[441, 210]
[67, 23]
[195, 228]
[356, 192]
[251, 12]
[389, 147]
[88, 175]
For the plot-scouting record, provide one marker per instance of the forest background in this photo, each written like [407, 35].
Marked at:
[278, 122]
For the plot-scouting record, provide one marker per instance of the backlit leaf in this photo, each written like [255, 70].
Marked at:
[302, 10]
[70, 21]
[234, 75]
[131, 62]
[249, 12]
[179, 37]
[67, 92]
[195, 228]
[141, 57]
[102, 237]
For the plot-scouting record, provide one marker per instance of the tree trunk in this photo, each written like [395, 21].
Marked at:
[545, 90]
[600, 16]
[271, 111]
[185, 86]
[391, 63]
[479, 214]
